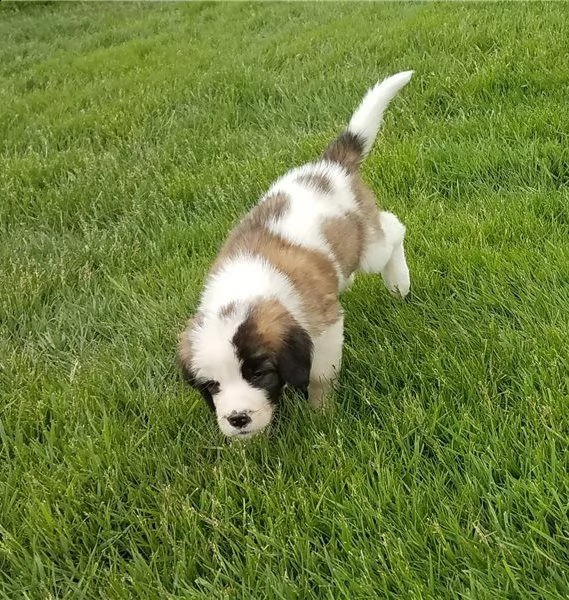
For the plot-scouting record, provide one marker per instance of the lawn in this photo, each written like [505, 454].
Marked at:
[131, 138]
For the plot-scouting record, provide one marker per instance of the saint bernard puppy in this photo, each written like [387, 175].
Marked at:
[269, 315]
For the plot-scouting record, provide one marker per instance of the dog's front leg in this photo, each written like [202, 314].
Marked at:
[326, 362]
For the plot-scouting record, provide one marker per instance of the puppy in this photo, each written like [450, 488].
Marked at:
[269, 315]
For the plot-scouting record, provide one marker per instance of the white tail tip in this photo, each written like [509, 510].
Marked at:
[366, 121]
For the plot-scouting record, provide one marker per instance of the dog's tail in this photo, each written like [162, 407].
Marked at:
[353, 145]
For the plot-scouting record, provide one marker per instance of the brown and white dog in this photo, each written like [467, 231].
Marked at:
[269, 315]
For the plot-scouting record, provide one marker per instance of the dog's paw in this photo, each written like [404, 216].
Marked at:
[397, 280]
[319, 395]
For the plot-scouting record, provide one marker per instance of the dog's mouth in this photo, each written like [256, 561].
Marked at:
[245, 434]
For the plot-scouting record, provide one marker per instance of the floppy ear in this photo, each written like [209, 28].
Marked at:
[294, 358]
[205, 394]
[185, 361]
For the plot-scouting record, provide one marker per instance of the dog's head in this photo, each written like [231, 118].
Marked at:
[241, 358]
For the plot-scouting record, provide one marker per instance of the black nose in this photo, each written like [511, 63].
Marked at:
[239, 420]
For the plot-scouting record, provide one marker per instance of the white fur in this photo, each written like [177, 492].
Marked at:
[335, 173]
[246, 278]
[348, 282]
[395, 275]
[328, 352]
[241, 280]
[309, 207]
[385, 254]
[212, 346]
[237, 396]
[215, 358]
[366, 120]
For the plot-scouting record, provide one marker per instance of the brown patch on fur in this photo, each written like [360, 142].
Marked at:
[273, 348]
[313, 276]
[271, 321]
[264, 328]
[255, 221]
[346, 149]
[345, 235]
[311, 273]
[272, 208]
[228, 310]
[185, 350]
[367, 205]
[317, 181]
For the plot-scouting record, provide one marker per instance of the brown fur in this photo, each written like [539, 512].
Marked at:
[316, 181]
[346, 238]
[228, 310]
[368, 209]
[347, 149]
[273, 349]
[255, 221]
[271, 321]
[272, 208]
[312, 273]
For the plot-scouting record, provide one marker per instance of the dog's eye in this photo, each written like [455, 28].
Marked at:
[212, 387]
[261, 371]
[267, 379]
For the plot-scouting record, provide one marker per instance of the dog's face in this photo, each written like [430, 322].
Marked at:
[241, 358]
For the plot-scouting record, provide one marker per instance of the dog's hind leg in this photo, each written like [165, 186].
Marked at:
[385, 254]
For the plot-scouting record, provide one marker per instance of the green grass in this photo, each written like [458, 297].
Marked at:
[131, 138]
